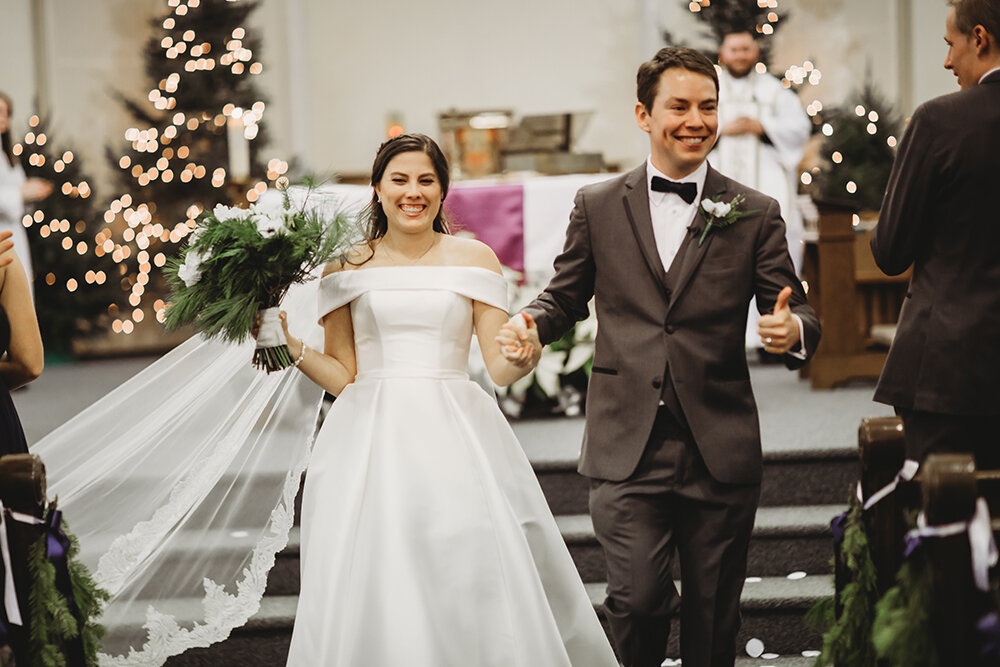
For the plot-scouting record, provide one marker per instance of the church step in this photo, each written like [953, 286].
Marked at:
[772, 612]
[791, 477]
[807, 477]
[785, 540]
[772, 608]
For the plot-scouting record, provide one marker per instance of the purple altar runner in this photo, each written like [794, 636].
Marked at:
[494, 213]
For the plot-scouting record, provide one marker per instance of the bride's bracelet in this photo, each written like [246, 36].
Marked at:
[301, 355]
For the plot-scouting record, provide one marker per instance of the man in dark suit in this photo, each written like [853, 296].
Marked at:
[672, 441]
[941, 215]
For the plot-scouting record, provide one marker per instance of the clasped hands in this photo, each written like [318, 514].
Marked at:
[779, 331]
[742, 125]
[519, 342]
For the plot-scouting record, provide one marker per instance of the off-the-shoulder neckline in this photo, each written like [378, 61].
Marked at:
[415, 266]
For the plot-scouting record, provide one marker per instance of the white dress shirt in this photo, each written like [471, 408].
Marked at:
[670, 214]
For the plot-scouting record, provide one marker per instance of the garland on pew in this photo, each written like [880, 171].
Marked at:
[847, 640]
[902, 630]
[56, 621]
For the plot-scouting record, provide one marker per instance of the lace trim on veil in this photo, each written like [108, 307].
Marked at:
[223, 611]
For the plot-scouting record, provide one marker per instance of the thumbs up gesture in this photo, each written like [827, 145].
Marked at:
[779, 332]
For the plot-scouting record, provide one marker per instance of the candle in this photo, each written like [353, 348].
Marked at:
[239, 150]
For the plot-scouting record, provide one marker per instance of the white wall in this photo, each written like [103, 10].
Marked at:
[930, 78]
[95, 47]
[17, 61]
[421, 58]
[334, 69]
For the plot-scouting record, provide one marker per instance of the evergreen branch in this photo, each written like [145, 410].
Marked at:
[847, 639]
[902, 631]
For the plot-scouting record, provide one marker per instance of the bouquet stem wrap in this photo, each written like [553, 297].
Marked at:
[272, 353]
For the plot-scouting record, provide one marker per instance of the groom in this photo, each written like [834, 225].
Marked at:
[672, 442]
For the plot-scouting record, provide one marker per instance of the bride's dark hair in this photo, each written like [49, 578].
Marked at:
[376, 223]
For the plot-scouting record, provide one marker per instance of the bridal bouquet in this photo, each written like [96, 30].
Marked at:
[241, 261]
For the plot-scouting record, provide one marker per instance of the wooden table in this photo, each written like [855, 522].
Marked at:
[852, 297]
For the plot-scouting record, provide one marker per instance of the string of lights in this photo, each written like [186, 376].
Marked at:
[179, 159]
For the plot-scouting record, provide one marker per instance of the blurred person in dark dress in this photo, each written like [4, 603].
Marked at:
[21, 354]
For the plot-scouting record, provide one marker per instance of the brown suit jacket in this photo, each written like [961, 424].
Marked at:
[941, 214]
[684, 328]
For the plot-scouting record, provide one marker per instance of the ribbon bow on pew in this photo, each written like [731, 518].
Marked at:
[981, 542]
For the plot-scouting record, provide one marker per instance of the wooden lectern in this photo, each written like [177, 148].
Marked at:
[850, 295]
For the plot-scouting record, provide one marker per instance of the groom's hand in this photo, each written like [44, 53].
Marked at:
[519, 342]
[779, 331]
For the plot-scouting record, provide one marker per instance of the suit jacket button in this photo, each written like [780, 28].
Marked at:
[669, 328]
[657, 384]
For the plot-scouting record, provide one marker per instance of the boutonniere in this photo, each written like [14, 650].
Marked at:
[721, 214]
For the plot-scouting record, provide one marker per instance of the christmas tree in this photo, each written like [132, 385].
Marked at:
[195, 144]
[722, 17]
[74, 281]
[860, 145]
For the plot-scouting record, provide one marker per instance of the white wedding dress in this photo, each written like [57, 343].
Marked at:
[426, 541]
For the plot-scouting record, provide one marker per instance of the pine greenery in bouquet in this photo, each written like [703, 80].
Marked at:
[242, 261]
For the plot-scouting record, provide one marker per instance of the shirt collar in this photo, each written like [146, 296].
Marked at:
[995, 69]
[697, 177]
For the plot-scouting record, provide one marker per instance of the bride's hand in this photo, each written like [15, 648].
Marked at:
[294, 344]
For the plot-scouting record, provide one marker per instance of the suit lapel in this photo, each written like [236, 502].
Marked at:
[690, 254]
[636, 202]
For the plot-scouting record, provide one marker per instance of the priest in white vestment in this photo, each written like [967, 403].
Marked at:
[762, 134]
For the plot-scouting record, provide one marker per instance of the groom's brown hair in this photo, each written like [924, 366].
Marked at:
[648, 78]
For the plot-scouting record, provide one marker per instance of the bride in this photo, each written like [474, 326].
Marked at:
[426, 539]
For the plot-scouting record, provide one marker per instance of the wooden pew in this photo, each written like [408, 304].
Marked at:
[22, 489]
[951, 485]
[946, 489]
[882, 450]
[852, 297]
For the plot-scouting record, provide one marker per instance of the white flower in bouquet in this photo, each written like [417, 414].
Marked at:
[223, 213]
[190, 271]
[270, 219]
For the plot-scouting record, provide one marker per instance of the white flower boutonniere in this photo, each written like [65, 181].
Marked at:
[721, 214]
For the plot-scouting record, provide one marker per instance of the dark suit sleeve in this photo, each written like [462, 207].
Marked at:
[774, 271]
[903, 221]
[564, 301]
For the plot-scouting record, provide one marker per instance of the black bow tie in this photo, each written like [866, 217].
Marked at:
[686, 191]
